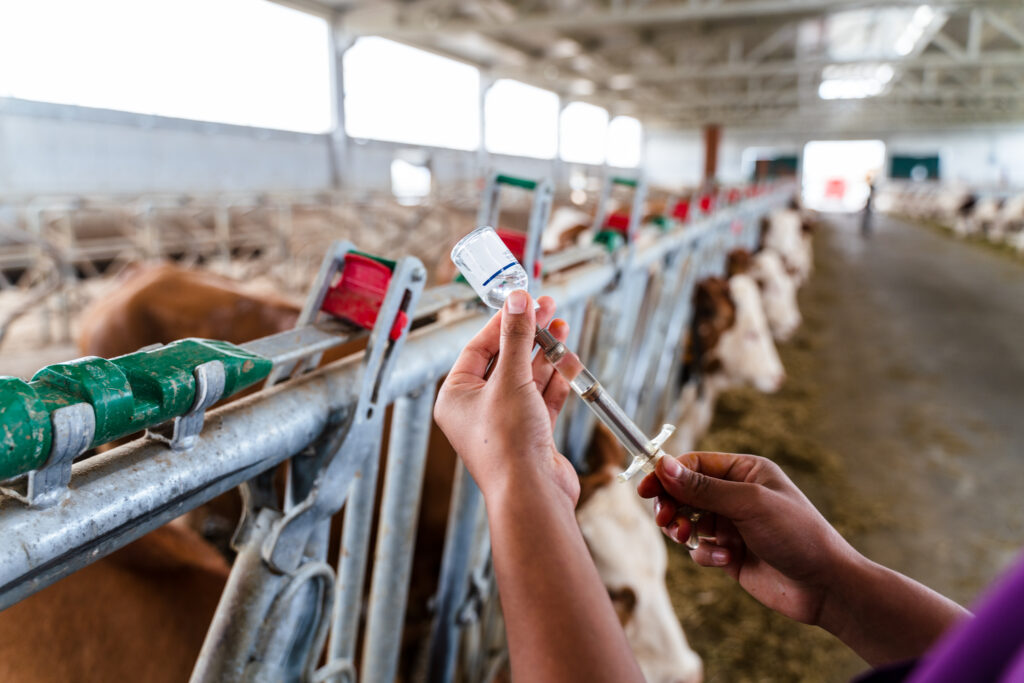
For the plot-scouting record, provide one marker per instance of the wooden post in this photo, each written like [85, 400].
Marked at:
[712, 136]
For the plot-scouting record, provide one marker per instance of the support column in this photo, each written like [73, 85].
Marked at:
[338, 142]
[712, 136]
[557, 165]
[483, 158]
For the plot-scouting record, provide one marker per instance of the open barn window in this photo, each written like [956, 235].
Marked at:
[584, 133]
[625, 142]
[231, 61]
[398, 93]
[521, 119]
[410, 182]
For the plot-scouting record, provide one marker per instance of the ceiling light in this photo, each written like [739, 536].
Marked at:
[846, 82]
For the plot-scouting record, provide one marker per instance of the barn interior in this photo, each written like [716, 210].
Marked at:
[240, 139]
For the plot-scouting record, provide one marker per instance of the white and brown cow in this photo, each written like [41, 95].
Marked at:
[731, 346]
[631, 558]
[778, 288]
[788, 233]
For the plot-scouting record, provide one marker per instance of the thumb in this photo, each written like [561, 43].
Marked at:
[518, 327]
[730, 499]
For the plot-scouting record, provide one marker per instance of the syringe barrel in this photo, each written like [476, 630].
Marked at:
[593, 394]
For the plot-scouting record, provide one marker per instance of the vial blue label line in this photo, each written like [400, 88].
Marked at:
[499, 271]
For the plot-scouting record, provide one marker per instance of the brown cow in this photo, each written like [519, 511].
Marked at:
[138, 615]
[158, 304]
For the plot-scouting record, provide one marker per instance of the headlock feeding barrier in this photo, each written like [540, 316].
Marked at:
[286, 614]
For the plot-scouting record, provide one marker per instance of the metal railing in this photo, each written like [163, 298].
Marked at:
[628, 311]
[50, 244]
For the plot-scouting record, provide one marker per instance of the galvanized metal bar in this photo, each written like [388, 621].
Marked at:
[352, 557]
[654, 337]
[240, 617]
[455, 569]
[396, 533]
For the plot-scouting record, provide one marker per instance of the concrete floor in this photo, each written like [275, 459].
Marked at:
[922, 362]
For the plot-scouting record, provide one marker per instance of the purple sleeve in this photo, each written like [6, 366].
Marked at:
[989, 647]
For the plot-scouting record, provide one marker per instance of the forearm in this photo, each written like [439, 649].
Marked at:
[560, 622]
[885, 616]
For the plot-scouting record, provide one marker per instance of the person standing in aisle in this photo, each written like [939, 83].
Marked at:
[865, 219]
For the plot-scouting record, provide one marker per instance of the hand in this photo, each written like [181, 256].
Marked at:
[759, 528]
[501, 425]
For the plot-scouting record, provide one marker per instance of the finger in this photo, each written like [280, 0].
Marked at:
[650, 486]
[542, 367]
[727, 536]
[546, 310]
[480, 350]
[678, 530]
[518, 327]
[558, 389]
[665, 510]
[711, 555]
[705, 491]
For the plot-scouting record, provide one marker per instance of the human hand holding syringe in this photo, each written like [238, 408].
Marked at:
[494, 273]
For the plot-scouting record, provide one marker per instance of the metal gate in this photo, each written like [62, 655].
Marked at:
[284, 605]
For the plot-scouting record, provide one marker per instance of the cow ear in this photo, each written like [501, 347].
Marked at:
[624, 602]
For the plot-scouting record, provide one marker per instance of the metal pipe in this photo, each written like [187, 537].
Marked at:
[454, 581]
[352, 556]
[396, 533]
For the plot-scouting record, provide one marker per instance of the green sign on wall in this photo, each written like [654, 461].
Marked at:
[914, 168]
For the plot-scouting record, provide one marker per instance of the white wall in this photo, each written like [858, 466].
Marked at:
[60, 149]
[981, 156]
[674, 158]
[992, 157]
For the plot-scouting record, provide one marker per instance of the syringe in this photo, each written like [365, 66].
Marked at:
[494, 273]
[645, 452]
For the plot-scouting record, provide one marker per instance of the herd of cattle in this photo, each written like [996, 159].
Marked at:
[142, 612]
[996, 217]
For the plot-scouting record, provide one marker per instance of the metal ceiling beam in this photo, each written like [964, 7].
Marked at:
[943, 98]
[697, 72]
[647, 15]
[851, 120]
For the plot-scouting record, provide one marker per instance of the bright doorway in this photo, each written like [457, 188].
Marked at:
[836, 173]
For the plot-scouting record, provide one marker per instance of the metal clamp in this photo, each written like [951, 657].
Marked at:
[329, 267]
[320, 484]
[478, 592]
[74, 427]
[184, 429]
[540, 213]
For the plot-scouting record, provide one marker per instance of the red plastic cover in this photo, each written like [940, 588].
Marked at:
[618, 221]
[359, 294]
[681, 209]
[516, 243]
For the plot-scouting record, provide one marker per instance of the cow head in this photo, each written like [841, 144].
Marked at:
[630, 556]
[778, 290]
[778, 294]
[785, 234]
[565, 229]
[732, 334]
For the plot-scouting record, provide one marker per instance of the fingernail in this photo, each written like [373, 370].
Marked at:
[720, 557]
[517, 302]
[672, 467]
[657, 508]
